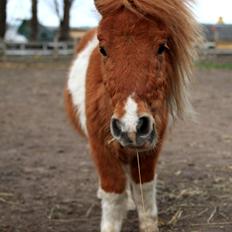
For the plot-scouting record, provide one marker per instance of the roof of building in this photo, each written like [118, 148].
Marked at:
[220, 32]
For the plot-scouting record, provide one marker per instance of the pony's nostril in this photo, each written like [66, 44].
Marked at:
[144, 126]
[116, 127]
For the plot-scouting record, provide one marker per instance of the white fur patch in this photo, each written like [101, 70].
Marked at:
[77, 81]
[148, 219]
[114, 208]
[130, 200]
[130, 119]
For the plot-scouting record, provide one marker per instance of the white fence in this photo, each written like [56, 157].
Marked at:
[58, 49]
[55, 49]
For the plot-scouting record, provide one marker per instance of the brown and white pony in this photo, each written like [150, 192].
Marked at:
[128, 77]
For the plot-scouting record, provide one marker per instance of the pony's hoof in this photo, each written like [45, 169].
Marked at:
[131, 205]
[149, 229]
[149, 226]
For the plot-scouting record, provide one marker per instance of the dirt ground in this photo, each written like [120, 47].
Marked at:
[47, 179]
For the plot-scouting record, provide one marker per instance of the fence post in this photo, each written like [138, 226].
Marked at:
[1, 48]
[45, 47]
[56, 49]
[4, 50]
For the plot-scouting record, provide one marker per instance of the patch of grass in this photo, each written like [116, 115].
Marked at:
[213, 65]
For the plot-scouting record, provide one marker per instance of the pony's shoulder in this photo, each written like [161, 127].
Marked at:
[85, 39]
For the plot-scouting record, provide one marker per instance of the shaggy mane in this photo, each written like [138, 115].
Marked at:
[184, 37]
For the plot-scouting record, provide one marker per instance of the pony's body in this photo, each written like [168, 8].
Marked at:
[119, 97]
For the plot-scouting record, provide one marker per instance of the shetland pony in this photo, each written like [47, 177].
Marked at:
[129, 76]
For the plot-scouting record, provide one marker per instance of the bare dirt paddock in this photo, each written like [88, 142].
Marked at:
[47, 179]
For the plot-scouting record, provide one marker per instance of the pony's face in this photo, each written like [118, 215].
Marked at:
[135, 58]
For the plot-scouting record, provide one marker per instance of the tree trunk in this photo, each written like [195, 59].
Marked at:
[64, 23]
[34, 20]
[2, 18]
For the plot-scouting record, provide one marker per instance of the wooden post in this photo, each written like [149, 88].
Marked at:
[56, 49]
[3, 50]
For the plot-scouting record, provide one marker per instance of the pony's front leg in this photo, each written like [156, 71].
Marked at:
[114, 206]
[112, 191]
[145, 194]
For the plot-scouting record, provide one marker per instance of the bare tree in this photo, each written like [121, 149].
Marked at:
[2, 18]
[65, 21]
[57, 9]
[34, 20]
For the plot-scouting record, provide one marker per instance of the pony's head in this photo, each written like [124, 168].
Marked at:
[147, 47]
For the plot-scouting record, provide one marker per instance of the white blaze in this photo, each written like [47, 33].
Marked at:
[130, 119]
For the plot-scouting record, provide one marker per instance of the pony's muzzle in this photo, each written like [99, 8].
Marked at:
[143, 136]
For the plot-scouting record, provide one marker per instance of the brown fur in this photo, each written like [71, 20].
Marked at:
[83, 42]
[131, 31]
[183, 34]
[72, 112]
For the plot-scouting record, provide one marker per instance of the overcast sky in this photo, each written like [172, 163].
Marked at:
[84, 14]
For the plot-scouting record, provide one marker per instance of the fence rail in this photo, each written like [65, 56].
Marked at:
[58, 49]
[218, 52]
[37, 49]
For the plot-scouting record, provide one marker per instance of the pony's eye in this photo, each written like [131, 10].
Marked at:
[103, 51]
[161, 49]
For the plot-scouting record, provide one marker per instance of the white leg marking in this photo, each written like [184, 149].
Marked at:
[130, 119]
[77, 80]
[149, 219]
[114, 208]
[130, 200]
